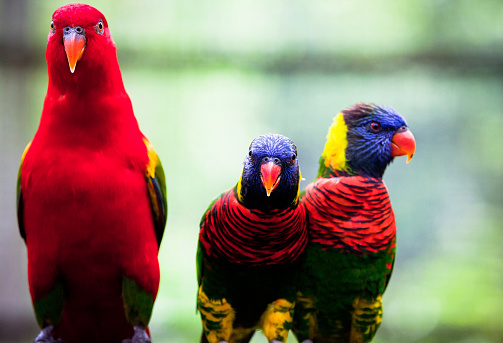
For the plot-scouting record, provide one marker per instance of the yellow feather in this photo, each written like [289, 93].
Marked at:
[153, 159]
[367, 317]
[240, 197]
[217, 312]
[334, 153]
[25, 151]
[276, 319]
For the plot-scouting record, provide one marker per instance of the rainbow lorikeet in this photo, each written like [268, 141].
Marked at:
[250, 241]
[91, 194]
[351, 226]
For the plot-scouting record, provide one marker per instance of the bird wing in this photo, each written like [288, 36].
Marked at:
[156, 186]
[19, 196]
[200, 250]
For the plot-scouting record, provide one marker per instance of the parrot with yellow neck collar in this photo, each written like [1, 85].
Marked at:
[250, 244]
[351, 228]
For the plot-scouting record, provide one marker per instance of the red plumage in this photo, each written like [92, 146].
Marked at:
[350, 214]
[233, 233]
[84, 205]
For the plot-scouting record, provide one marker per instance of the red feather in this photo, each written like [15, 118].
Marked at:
[350, 213]
[233, 233]
[86, 210]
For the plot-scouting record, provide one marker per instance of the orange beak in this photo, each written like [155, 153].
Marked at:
[75, 45]
[403, 143]
[270, 176]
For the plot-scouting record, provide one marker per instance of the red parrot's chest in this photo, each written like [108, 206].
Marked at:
[84, 202]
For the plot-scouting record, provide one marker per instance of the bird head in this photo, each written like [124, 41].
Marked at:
[364, 139]
[271, 174]
[80, 46]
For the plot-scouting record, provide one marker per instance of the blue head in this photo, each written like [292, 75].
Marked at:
[271, 175]
[364, 140]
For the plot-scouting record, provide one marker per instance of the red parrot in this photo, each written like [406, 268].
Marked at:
[91, 194]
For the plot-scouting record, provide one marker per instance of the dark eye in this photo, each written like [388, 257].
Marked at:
[375, 126]
[52, 26]
[249, 154]
[99, 27]
[294, 157]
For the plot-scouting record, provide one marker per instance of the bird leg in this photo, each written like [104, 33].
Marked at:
[305, 319]
[217, 317]
[140, 336]
[45, 336]
[367, 316]
[277, 320]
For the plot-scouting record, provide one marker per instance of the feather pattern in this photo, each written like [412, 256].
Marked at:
[351, 214]
[236, 234]
[250, 244]
[156, 186]
[91, 197]
[351, 250]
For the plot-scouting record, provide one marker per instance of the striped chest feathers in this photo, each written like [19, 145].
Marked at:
[350, 213]
[230, 232]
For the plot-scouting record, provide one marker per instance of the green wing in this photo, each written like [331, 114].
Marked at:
[199, 263]
[156, 185]
[200, 251]
[19, 196]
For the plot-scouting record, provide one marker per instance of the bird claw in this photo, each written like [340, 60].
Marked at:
[45, 336]
[140, 336]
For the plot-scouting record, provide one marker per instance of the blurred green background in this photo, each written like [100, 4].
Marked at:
[206, 77]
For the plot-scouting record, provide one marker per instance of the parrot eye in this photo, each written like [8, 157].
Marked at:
[250, 154]
[294, 157]
[53, 27]
[99, 27]
[375, 126]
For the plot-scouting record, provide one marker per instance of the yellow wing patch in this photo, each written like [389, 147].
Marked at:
[334, 152]
[25, 151]
[156, 187]
[153, 159]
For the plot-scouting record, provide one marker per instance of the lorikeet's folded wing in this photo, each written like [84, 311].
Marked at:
[19, 195]
[156, 185]
[200, 253]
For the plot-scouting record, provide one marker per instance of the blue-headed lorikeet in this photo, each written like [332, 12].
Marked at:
[250, 240]
[351, 226]
[91, 194]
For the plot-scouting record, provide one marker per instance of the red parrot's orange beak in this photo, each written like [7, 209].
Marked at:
[75, 45]
[269, 175]
[403, 143]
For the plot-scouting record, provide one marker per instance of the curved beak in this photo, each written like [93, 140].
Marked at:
[403, 143]
[75, 44]
[270, 176]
